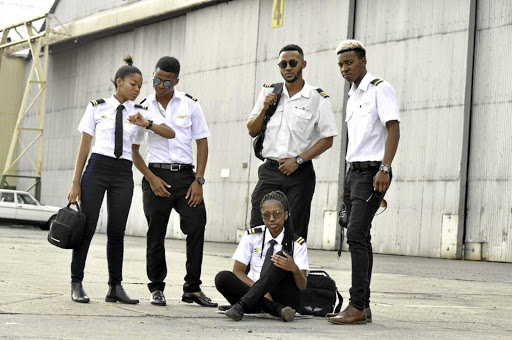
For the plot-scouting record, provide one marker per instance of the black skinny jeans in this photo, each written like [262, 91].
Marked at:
[115, 177]
[362, 202]
[276, 281]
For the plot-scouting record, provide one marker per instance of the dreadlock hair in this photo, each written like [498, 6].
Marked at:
[126, 70]
[289, 233]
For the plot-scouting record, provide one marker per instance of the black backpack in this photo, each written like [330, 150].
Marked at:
[319, 297]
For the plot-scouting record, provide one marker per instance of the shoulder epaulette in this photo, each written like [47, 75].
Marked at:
[376, 81]
[269, 85]
[97, 102]
[191, 97]
[322, 93]
[141, 106]
[254, 230]
[143, 100]
[300, 240]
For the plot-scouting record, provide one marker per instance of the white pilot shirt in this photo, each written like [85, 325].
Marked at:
[249, 251]
[185, 117]
[99, 121]
[298, 123]
[369, 108]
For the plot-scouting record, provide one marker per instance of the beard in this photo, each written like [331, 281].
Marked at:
[294, 79]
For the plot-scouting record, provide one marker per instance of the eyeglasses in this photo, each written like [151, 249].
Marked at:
[276, 214]
[284, 63]
[158, 81]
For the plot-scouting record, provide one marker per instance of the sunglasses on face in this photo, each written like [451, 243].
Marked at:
[157, 81]
[284, 63]
[276, 214]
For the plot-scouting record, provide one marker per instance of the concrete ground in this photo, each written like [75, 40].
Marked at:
[412, 298]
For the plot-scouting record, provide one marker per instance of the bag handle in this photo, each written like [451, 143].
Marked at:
[77, 206]
[340, 301]
[323, 272]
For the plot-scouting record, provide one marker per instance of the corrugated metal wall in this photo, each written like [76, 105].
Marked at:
[489, 208]
[424, 48]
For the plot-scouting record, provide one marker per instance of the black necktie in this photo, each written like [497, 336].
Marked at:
[118, 148]
[270, 252]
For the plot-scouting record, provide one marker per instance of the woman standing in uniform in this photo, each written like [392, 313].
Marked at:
[113, 122]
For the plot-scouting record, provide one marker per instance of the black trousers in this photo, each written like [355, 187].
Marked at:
[362, 202]
[298, 187]
[279, 283]
[115, 177]
[192, 223]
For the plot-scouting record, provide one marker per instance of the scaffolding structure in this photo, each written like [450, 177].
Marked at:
[16, 38]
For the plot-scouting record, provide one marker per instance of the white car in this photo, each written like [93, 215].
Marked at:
[21, 207]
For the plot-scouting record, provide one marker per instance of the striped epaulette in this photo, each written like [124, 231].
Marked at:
[97, 102]
[376, 81]
[300, 240]
[269, 85]
[322, 93]
[191, 97]
[255, 230]
[140, 106]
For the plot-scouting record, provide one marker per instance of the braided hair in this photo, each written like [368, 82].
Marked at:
[289, 233]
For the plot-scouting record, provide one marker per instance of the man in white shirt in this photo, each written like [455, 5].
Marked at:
[170, 181]
[373, 123]
[301, 129]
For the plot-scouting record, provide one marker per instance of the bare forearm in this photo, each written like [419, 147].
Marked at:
[163, 131]
[391, 142]
[300, 279]
[255, 124]
[202, 156]
[317, 149]
[83, 152]
[139, 163]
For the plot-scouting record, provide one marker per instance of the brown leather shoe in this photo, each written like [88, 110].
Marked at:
[350, 316]
[367, 311]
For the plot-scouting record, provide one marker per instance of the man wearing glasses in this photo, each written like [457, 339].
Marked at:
[373, 125]
[170, 181]
[301, 129]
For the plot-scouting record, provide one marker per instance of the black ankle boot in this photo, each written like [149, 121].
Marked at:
[78, 294]
[116, 293]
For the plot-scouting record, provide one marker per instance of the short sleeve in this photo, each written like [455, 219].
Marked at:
[199, 125]
[87, 123]
[244, 250]
[139, 137]
[258, 106]
[387, 103]
[326, 124]
[300, 256]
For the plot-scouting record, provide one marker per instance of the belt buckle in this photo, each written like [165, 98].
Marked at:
[175, 167]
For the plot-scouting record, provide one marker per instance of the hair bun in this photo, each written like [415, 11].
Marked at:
[128, 60]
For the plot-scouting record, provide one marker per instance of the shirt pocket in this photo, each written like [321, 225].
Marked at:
[183, 121]
[300, 118]
[105, 125]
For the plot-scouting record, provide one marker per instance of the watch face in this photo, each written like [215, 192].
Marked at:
[385, 168]
[299, 160]
[200, 180]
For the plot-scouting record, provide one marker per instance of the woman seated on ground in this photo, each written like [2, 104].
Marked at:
[273, 284]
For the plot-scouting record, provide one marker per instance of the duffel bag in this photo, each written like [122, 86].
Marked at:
[67, 228]
[319, 297]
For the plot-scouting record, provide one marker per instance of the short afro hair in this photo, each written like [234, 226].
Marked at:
[352, 45]
[292, 47]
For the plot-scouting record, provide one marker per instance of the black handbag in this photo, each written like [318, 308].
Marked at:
[319, 297]
[257, 143]
[67, 228]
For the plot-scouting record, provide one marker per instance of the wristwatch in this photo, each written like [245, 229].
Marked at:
[149, 125]
[299, 160]
[200, 180]
[385, 168]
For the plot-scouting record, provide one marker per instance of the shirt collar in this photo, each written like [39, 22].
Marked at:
[177, 95]
[304, 92]
[115, 103]
[363, 85]
[268, 236]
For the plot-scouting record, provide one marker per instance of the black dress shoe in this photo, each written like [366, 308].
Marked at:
[224, 307]
[78, 293]
[236, 312]
[158, 298]
[202, 299]
[117, 294]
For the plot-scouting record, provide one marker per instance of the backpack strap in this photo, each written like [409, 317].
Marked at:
[376, 81]
[97, 102]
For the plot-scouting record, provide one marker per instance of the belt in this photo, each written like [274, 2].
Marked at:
[171, 166]
[363, 165]
[276, 164]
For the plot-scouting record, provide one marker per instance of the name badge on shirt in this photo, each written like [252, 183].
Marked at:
[182, 116]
